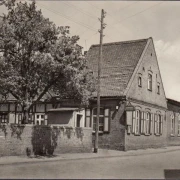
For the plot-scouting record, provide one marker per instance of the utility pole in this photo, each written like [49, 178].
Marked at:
[99, 74]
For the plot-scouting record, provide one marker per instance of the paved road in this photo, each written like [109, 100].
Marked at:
[162, 165]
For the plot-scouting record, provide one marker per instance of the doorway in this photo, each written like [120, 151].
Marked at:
[78, 120]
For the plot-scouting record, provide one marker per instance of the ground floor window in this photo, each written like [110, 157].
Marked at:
[172, 125]
[143, 122]
[101, 119]
[4, 118]
[158, 124]
[136, 122]
[19, 118]
[104, 119]
[40, 119]
[148, 123]
[179, 125]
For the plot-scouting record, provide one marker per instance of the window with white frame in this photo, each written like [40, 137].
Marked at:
[148, 120]
[178, 124]
[172, 125]
[151, 123]
[150, 82]
[39, 118]
[104, 117]
[136, 122]
[158, 124]
[19, 118]
[142, 122]
[88, 118]
[4, 118]
[101, 119]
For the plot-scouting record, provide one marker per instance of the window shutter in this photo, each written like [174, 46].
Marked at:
[134, 122]
[144, 127]
[129, 118]
[161, 125]
[151, 124]
[138, 123]
[155, 123]
[88, 118]
[142, 121]
[106, 120]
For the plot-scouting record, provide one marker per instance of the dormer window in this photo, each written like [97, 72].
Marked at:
[139, 81]
[150, 82]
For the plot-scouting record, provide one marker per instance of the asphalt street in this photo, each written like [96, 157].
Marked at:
[161, 165]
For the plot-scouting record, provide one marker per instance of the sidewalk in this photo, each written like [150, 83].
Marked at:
[102, 153]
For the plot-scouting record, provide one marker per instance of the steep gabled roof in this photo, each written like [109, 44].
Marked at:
[117, 66]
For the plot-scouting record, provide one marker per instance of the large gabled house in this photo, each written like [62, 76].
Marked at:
[133, 102]
[133, 112]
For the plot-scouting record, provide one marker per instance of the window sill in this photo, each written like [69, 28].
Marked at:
[157, 134]
[100, 132]
[139, 86]
[172, 135]
[150, 90]
[147, 134]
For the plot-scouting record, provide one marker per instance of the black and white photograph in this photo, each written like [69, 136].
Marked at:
[89, 89]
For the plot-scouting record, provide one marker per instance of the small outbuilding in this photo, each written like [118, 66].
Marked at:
[73, 117]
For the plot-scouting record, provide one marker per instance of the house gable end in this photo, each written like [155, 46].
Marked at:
[147, 68]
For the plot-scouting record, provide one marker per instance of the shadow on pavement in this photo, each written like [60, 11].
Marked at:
[172, 173]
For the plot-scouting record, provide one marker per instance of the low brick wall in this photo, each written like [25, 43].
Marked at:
[43, 140]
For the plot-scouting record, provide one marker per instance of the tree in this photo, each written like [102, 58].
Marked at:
[36, 57]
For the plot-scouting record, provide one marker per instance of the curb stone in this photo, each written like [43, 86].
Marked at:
[92, 156]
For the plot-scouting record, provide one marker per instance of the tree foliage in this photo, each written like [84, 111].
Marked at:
[36, 57]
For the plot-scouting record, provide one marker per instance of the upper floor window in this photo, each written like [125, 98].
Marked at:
[150, 82]
[158, 88]
[139, 81]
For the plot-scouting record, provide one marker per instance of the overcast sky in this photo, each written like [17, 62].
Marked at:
[126, 20]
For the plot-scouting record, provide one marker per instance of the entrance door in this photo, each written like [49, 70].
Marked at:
[78, 120]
